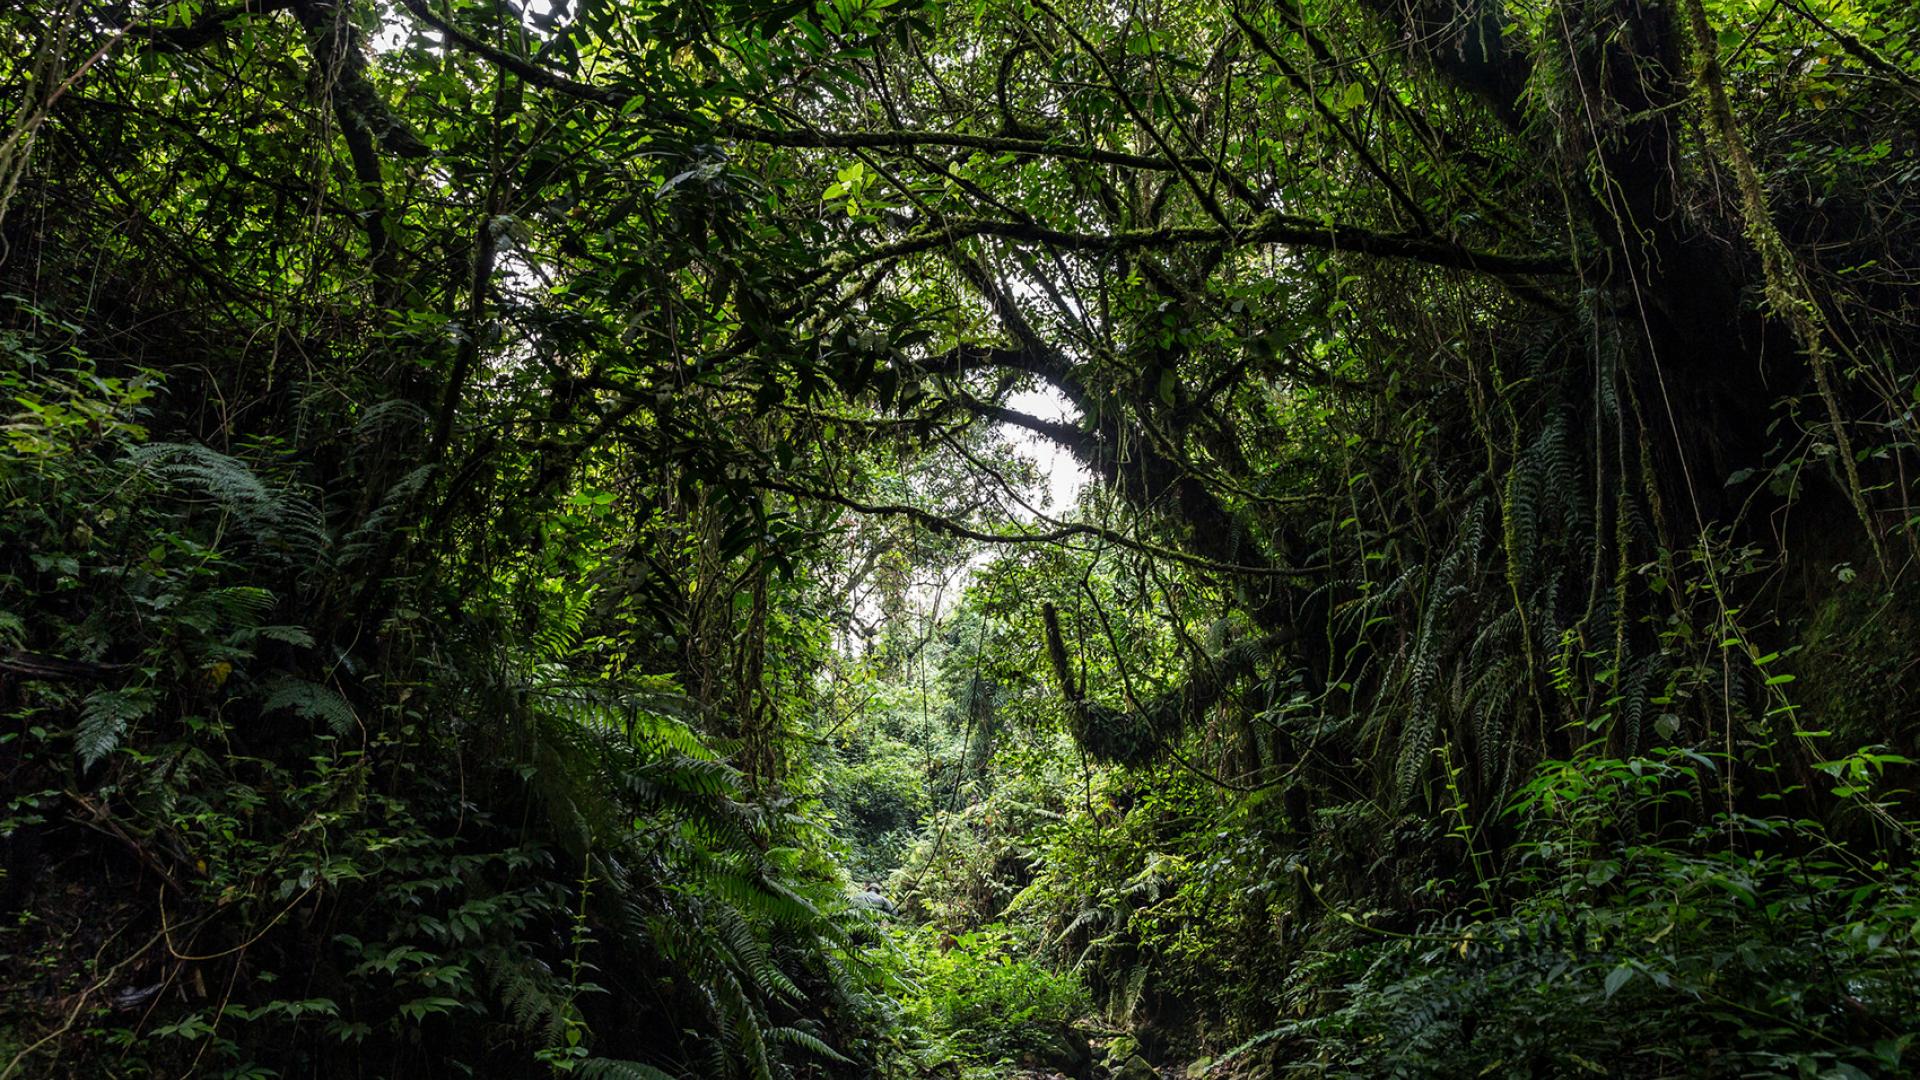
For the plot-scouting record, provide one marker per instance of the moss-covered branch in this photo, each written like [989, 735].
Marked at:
[1137, 736]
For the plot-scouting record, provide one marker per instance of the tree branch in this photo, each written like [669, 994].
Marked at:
[1269, 228]
[1134, 736]
[1060, 533]
[1299, 80]
[35, 667]
[913, 138]
[807, 140]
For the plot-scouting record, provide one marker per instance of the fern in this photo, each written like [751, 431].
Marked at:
[599, 1068]
[558, 633]
[285, 521]
[233, 485]
[1564, 480]
[1520, 512]
[647, 717]
[240, 607]
[1423, 675]
[1495, 635]
[370, 536]
[696, 879]
[311, 701]
[749, 955]
[297, 636]
[1634, 696]
[1131, 988]
[228, 481]
[387, 417]
[807, 1041]
[528, 991]
[1490, 702]
[1281, 1032]
[748, 1024]
[1085, 917]
[104, 719]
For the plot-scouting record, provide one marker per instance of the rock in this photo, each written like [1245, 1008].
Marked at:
[1136, 1068]
[1065, 1051]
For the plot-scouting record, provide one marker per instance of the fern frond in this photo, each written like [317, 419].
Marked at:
[311, 701]
[526, 989]
[225, 479]
[385, 417]
[104, 719]
[370, 535]
[599, 1068]
[807, 1041]
[287, 520]
[1634, 697]
[750, 956]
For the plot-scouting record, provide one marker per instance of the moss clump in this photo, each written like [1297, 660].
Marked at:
[1858, 667]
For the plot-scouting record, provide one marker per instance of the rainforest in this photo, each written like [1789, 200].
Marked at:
[959, 539]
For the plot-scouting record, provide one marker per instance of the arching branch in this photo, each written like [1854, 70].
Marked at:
[1135, 737]
[1269, 228]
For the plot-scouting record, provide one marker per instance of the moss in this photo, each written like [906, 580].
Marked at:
[1857, 672]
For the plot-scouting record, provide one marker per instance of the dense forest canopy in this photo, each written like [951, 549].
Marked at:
[523, 549]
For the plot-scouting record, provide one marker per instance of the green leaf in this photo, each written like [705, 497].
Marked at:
[1618, 978]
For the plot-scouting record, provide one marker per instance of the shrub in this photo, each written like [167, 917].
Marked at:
[985, 1001]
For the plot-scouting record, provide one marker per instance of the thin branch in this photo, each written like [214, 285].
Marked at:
[1300, 82]
[532, 72]
[1064, 532]
[909, 139]
[1205, 197]
[1269, 228]
[1858, 49]
[801, 139]
[36, 667]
